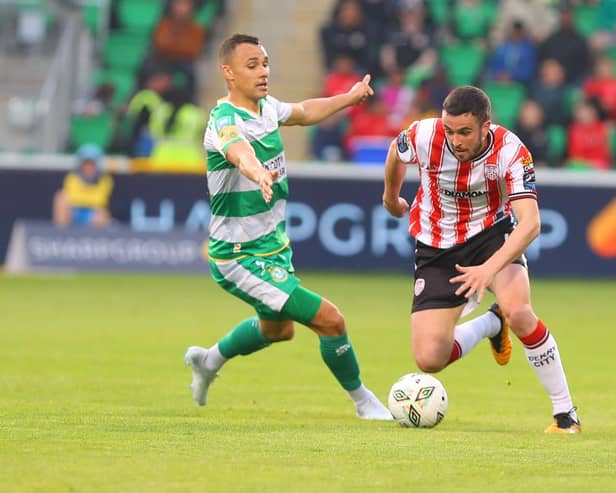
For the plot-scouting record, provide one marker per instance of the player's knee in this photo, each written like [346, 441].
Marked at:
[522, 319]
[429, 364]
[336, 323]
[286, 333]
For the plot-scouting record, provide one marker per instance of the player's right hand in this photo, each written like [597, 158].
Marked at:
[266, 181]
[397, 207]
[361, 90]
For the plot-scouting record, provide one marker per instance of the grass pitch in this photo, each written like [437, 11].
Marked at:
[94, 397]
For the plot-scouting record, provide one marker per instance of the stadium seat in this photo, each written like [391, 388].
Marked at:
[207, 13]
[463, 62]
[140, 15]
[506, 99]
[123, 81]
[369, 150]
[439, 11]
[91, 130]
[125, 49]
[91, 14]
[557, 144]
[474, 23]
[585, 19]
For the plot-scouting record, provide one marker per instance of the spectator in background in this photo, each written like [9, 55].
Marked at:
[515, 58]
[551, 91]
[411, 47]
[396, 96]
[588, 142]
[326, 140]
[342, 77]
[539, 17]
[351, 34]
[602, 85]
[530, 129]
[83, 199]
[568, 47]
[179, 40]
[371, 121]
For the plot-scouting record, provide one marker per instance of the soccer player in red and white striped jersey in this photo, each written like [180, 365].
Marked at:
[474, 177]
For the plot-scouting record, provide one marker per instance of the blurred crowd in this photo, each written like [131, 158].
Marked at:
[548, 67]
[144, 102]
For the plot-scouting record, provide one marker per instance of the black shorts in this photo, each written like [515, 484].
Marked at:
[435, 266]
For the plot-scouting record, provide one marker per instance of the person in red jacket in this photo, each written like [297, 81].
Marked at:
[588, 138]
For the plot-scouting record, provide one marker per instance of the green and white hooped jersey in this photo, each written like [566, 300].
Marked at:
[242, 223]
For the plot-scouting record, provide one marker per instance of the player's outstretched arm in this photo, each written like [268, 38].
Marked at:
[315, 110]
[395, 170]
[242, 155]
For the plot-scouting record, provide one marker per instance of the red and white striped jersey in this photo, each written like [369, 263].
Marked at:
[457, 200]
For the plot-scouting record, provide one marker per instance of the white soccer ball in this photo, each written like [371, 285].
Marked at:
[418, 400]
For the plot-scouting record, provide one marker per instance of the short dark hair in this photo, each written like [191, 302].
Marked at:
[468, 99]
[228, 45]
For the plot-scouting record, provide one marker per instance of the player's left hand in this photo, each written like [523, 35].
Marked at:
[361, 90]
[473, 279]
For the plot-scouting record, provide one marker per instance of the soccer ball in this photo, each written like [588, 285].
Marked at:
[418, 400]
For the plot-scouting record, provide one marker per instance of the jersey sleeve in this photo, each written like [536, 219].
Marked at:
[226, 130]
[521, 175]
[406, 144]
[283, 110]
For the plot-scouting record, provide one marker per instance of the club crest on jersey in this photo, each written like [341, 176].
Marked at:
[420, 284]
[491, 171]
[278, 274]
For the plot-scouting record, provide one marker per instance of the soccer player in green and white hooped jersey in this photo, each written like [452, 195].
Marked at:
[249, 250]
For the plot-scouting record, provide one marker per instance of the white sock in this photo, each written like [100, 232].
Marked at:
[468, 334]
[360, 394]
[544, 357]
[215, 359]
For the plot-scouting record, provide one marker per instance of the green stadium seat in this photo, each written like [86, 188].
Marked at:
[125, 50]
[439, 11]
[506, 99]
[91, 130]
[139, 15]
[557, 144]
[463, 62]
[123, 80]
[476, 22]
[207, 13]
[91, 14]
[585, 19]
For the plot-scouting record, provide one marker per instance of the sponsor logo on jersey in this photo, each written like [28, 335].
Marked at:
[225, 121]
[467, 194]
[420, 284]
[278, 274]
[277, 163]
[491, 171]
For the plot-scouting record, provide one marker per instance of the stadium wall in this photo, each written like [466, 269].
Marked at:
[335, 217]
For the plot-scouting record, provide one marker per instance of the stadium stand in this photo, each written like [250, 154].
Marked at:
[557, 42]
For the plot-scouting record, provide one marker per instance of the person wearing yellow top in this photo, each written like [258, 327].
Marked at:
[83, 199]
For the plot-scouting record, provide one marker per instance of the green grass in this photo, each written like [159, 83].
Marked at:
[94, 398]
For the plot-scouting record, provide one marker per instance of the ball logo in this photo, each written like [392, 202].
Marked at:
[400, 395]
[420, 284]
[278, 274]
